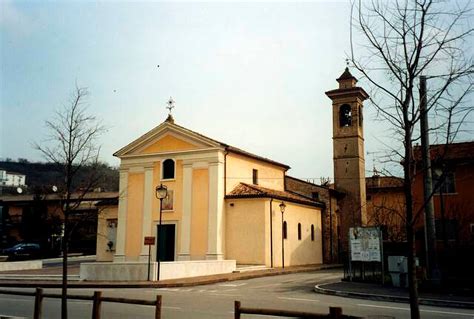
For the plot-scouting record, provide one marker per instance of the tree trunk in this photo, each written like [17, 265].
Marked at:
[65, 250]
[408, 175]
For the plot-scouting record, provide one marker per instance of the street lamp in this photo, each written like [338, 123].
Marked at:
[440, 172]
[160, 193]
[282, 210]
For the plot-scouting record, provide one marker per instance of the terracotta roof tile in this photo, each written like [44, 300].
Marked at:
[383, 182]
[244, 190]
[454, 151]
[236, 149]
[91, 196]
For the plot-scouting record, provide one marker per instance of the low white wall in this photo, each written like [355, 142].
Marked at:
[194, 268]
[21, 265]
[137, 271]
[117, 271]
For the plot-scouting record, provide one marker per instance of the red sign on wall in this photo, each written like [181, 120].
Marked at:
[149, 240]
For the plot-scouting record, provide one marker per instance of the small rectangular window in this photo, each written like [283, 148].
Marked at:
[111, 233]
[255, 177]
[444, 181]
[168, 169]
[315, 195]
[446, 229]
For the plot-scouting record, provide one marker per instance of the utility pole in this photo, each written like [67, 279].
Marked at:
[430, 230]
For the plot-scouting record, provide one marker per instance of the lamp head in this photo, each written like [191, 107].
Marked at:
[282, 207]
[161, 191]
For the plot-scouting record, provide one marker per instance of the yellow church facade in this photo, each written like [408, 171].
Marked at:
[223, 203]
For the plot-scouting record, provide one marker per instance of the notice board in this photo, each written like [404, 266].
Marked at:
[365, 243]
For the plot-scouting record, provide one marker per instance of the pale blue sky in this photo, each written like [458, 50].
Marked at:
[252, 75]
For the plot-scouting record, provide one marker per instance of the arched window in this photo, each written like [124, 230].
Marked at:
[299, 231]
[168, 169]
[284, 230]
[345, 115]
[312, 232]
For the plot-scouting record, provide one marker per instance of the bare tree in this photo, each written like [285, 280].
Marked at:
[72, 145]
[401, 40]
[387, 213]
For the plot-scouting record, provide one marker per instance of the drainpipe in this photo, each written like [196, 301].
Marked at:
[271, 234]
[330, 227]
[225, 171]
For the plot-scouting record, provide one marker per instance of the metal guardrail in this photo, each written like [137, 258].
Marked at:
[97, 300]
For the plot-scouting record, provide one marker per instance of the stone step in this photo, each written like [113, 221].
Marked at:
[36, 277]
[245, 268]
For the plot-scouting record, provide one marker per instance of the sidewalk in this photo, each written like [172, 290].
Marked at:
[36, 281]
[392, 294]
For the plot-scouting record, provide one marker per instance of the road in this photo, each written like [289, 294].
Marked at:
[293, 291]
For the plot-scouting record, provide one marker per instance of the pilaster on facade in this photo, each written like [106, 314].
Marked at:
[185, 231]
[215, 239]
[122, 217]
[147, 208]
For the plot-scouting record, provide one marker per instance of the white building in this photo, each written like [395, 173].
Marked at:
[12, 179]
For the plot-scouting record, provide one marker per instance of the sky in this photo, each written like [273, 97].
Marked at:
[252, 75]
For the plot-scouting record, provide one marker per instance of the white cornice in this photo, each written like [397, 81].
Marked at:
[162, 129]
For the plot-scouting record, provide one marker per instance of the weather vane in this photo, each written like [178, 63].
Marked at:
[170, 106]
[347, 62]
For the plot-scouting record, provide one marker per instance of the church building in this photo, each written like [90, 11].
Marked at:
[226, 204]
[222, 203]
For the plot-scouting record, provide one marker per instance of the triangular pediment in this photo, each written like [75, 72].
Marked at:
[165, 138]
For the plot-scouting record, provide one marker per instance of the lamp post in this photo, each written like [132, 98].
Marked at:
[440, 172]
[161, 192]
[282, 209]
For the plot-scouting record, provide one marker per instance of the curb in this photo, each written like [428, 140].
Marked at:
[70, 258]
[392, 298]
[170, 283]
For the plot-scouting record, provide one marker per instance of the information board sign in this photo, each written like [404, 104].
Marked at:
[149, 240]
[365, 243]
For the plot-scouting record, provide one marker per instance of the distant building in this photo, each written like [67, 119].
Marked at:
[386, 206]
[12, 179]
[39, 218]
[453, 176]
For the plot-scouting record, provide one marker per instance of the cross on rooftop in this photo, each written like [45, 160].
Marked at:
[170, 106]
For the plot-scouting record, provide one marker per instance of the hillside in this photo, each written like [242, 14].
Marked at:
[45, 175]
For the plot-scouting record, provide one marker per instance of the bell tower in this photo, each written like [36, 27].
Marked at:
[348, 149]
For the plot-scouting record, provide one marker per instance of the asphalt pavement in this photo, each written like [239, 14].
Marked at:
[290, 291]
[50, 276]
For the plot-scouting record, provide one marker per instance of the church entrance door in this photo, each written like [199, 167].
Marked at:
[167, 242]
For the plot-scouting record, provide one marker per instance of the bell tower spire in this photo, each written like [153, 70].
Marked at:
[348, 148]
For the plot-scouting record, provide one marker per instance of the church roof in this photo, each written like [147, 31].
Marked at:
[169, 124]
[243, 190]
